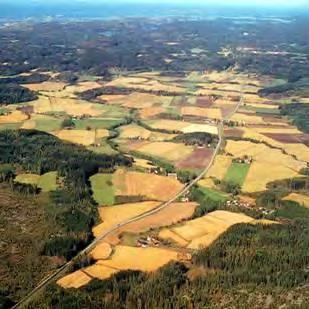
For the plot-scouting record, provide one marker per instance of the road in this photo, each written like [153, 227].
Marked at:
[63, 269]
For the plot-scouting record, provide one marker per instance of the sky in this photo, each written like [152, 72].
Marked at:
[188, 2]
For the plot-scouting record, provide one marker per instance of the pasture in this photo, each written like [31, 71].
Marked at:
[237, 173]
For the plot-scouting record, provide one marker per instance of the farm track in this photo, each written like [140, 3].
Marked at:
[63, 269]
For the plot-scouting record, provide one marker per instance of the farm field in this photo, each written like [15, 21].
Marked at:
[277, 164]
[123, 258]
[237, 173]
[299, 198]
[203, 231]
[102, 187]
[174, 213]
[47, 182]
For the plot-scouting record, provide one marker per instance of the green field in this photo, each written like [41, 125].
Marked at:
[48, 182]
[214, 195]
[102, 187]
[237, 173]
[10, 126]
[48, 124]
[105, 148]
[111, 111]
[261, 110]
[96, 123]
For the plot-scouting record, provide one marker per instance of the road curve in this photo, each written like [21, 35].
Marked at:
[62, 270]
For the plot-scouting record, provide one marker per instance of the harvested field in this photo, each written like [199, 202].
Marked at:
[149, 259]
[102, 251]
[133, 131]
[101, 133]
[154, 187]
[268, 164]
[220, 166]
[200, 158]
[214, 113]
[142, 163]
[46, 86]
[207, 183]
[174, 213]
[150, 112]
[169, 151]
[247, 119]
[82, 137]
[113, 215]
[169, 235]
[201, 128]
[299, 198]
[14, 117]
[201, 232]
[75, 280]
[171, 125]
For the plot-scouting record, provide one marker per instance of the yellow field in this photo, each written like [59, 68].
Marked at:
[46, 86]
[207, 183]
[134, 131]
[28, 178]
[143, 83]
[14, 117]
[214, 113]
[297, 149]
[269, 164]
[149, 259]
[220, 166]
[167, 150]
[260, 105]
[191, 128]
[201, 232]
[70, 106]
[82, 137]
[174, 213]
[166, 124]
[149, 112]
[247, 119]
[102, 251]
[75, 280]
[29, 124]
[299, 198]
[101, 133]
[113, 215]
[168, 234]
[124, 258]
[154, 187]
[82, 86]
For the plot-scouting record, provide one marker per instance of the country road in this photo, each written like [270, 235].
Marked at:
[63, 269]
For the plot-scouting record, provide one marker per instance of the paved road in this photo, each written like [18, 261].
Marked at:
[62, 270]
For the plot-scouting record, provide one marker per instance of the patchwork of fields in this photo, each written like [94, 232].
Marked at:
[144, 116]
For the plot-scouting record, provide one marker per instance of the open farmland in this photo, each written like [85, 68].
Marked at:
[277, 164]
[237, 173]
[174, 213]
[123, 258]
[82, 137]
[204, 231]
[102, 187]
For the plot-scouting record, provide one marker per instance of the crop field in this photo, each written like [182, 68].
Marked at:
[45, 123]
[169, 151]
[133, 131]
[201, 232]
[46, 86]
[150, 112]
[182, 126]
[277, 164]
[214, 113]
[47, 182]
[115, 214]
[150, 186]
[96, 123]
[102, 251]
[174, 213]
[13, 117]
[102, 187]
[220, 166]
[123, 258]
[237, 173]
[214, 195]
[82, 137]
[299, 198]
[199, 158]
[248, 118]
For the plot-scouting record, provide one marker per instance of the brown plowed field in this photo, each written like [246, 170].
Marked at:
[198, 159]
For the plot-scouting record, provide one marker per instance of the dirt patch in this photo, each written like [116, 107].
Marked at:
[205, 101]
[288, 138]
[200, 158]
